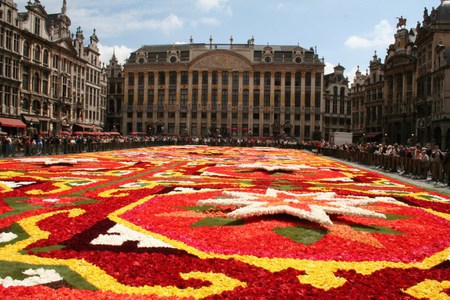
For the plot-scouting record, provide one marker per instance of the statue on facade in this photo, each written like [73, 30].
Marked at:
[401, 22]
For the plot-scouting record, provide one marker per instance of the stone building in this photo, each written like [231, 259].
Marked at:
[374, 102]
[51, 81]
[114, 72]
[399, 71]
[224, 89]
[338, 111]
[433, 76]
[357, 99]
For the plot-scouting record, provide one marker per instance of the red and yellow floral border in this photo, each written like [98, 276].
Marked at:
[128, 224]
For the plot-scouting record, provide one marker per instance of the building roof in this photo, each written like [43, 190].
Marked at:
[186, 47]
[443, 12]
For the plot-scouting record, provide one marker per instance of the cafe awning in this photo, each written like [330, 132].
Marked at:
[30, 119]
[9, 122]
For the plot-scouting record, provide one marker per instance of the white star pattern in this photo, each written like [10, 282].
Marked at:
[314, 207]
[273, 168]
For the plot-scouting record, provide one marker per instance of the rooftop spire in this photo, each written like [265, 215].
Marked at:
[64, 7]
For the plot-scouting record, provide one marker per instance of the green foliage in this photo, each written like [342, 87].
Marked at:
[305, 236]
[376, 229]
[211, 222]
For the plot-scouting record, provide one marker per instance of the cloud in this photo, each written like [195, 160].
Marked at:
[214, 5]
[106, 52]
[329, 68]
[205, 21]
[112, 25]
[382, 35]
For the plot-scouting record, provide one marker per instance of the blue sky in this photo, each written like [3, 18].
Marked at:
[345, 32]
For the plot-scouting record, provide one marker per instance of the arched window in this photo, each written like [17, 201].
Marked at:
[45, 108]
[36, 82]
[37, 53]
[45, 57]
[36, 107]
[25, 104]
[9, 17]
[26, 49]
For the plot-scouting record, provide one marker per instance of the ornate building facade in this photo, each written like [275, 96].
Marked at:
[114, 72]
[50, 82]
[400, 88]
[338, 111]
[433, 76]
[373, 127]
[223, 89]
[357, 98]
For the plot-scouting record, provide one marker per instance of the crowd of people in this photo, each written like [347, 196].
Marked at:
[416, 161]
[12, 146]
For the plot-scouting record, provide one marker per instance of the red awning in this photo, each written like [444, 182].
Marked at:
[8, 122]
[372, 135]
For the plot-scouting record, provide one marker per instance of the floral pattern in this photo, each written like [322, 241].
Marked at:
[217, 222]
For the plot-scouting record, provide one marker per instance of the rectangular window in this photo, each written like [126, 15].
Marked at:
[151, 78]
[235, 81]
[205, 78]
[8, 43]
[172, 96]
[172, 78]
[183, 98]
[224, 98]
[37, 26]
[214, 97]
[194, 98]
[256, 98]
[150, 97]
[267, 79]
[277, 78]
[224, 78]
[131, 79]
[140, 78]
[7, 71]
[214, 77]
[161, 78]
[235, 98]
[245, 98]
[266, 99]
[140, 99]
[195, 77]
[161, 95]
[256, 78]
[184, 77]
[246, 78]
[204, 97]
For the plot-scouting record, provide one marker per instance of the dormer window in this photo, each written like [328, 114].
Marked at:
[37, 26]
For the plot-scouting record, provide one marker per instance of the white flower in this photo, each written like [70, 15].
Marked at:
[16, 184]
[37, 277]
[6, 237]
[272, 168]
[314, 207]
[120, 234]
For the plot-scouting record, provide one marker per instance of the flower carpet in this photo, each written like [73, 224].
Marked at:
[201, 222]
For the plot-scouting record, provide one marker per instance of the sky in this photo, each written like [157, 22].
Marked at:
[345, 32]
